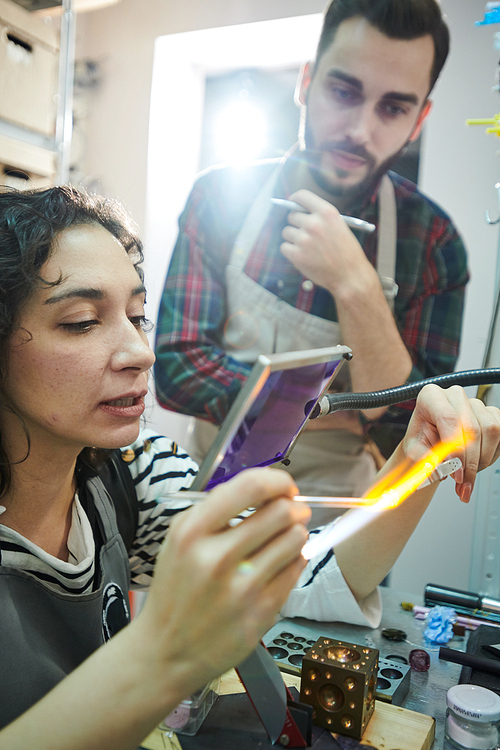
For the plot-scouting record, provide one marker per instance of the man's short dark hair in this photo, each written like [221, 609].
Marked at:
[397, 19]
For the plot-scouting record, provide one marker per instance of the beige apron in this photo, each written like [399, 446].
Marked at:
[323, 462]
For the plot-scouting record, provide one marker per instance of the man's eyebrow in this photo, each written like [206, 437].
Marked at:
[392, 96]
[88, 293]
[351, 80]
[398, 96]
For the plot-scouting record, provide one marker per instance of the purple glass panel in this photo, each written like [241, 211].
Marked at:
[274, 419]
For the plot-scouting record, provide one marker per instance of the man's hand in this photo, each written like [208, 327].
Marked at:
[323, 248]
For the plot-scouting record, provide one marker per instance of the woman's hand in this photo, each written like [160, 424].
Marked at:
[218, 587]
[445, 414]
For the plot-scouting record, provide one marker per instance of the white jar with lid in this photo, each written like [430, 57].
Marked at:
[472, 717]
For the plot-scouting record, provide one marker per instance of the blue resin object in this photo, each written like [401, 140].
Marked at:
[440, 624]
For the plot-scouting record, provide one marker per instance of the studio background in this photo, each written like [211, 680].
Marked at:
[140, 142]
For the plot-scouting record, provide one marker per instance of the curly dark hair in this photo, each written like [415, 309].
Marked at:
[30, 220]
[397, 19]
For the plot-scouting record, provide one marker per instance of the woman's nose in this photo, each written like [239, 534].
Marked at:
[133, 350]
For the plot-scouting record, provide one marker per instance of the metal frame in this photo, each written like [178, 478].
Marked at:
[484, 575]
[64, 117]
[263, 367]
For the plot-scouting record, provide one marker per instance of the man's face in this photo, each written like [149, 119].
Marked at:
[366, 99]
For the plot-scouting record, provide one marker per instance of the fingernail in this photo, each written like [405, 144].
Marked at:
[465, 492]
[458, 475]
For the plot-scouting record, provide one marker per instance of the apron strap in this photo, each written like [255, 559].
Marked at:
[387, 239]
[254, 221]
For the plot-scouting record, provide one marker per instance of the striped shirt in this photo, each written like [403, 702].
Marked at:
[195, 376]
[159, 467]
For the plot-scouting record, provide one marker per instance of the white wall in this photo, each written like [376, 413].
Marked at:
[459, 170]
[122, 38]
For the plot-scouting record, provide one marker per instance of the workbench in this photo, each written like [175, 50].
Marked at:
[427, 691]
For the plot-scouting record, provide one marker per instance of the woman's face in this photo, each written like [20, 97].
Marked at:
[79, 361]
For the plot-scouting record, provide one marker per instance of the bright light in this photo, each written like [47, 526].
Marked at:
[240, 132]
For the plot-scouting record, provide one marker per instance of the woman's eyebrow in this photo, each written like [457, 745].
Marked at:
[88, 293]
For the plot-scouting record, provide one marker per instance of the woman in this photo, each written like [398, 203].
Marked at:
[74, 364]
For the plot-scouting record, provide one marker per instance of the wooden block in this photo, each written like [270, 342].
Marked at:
[159, 740]
[396, 727]
[389, 727]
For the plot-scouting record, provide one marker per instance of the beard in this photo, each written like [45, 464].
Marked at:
[312, 155]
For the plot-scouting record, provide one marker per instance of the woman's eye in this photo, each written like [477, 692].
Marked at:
[140, 321]
[80, 326]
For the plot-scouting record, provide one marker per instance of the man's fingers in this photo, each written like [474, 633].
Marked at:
[277, 590]
[310, 201]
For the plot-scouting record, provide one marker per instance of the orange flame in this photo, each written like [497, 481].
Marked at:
[386, 494]
[393, 489]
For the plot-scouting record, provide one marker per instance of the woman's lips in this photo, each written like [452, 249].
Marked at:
[124, 407]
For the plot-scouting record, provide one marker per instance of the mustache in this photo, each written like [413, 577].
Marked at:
[348, 148]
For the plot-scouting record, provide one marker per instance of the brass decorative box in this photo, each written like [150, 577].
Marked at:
[338, 680]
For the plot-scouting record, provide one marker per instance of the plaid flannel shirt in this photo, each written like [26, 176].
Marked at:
[194, 375]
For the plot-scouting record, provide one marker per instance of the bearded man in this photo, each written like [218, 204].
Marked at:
[248, 276]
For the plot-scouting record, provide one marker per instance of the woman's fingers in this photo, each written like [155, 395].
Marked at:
[249, 489]
[228, 582]
[267, 524]
[269, 560]
[470, 428]
[488, 418]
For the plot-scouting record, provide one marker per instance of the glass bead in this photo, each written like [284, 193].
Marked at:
[420, 660]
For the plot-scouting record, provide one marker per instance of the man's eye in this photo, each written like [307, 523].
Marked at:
[393, 110]
[81, 326]
[344, 94]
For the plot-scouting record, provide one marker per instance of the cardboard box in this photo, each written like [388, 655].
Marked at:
[25, 166]
[29, 64]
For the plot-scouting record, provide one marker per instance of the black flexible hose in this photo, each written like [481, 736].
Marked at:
[346, 401]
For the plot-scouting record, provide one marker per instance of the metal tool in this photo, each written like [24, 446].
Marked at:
[351, 221]
[270, 697]
[442, 471]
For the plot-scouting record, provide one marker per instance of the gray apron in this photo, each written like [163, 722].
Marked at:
[44, 635]
[323, 462]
